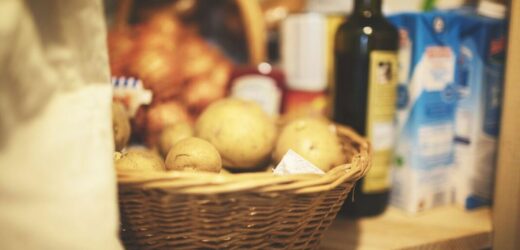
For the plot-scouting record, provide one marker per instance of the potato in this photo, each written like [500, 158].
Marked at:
[117, 156]
[312, 138]
[143, 160]
[194, 154]
[120, 126]
[200, 92]
[241, 131]
[162, 115]
[173, 134]
[159, 69]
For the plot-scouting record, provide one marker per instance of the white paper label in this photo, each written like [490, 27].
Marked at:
[293, 163]
[260, 89]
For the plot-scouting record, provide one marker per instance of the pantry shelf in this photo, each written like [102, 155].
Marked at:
[441, 228]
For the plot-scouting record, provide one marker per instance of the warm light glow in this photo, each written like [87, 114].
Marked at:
[264, 68]
[367, 30]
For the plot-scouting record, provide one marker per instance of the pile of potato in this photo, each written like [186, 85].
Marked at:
[184, 72]
[233, 134]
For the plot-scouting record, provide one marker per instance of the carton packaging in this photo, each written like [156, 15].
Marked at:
[451, 73]
[427, 94]
[477, 116]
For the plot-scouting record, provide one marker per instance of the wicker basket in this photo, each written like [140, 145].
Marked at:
[180, 210]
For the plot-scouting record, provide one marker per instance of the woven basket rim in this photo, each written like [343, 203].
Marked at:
[205, 183]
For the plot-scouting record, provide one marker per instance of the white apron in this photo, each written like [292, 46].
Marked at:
[57, 182]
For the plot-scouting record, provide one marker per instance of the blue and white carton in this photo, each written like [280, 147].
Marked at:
[477, 116]
[451, 77]
[424, 151]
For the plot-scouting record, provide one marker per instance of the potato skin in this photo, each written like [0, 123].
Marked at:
[241, 131]
[194, 154]
[314, 140]
[173, 134]
[142, 160]
[120, 126]
[161, 115]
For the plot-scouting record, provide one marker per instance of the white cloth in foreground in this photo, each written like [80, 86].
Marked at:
[57, 182]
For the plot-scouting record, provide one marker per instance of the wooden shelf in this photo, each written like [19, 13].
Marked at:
[441, 228]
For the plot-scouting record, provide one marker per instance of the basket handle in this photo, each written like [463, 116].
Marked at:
[123, 10]
[250, 12]
[255, 28]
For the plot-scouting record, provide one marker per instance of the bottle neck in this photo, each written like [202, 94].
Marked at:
[368, 8]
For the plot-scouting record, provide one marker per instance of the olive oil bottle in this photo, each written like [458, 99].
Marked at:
[364, 97]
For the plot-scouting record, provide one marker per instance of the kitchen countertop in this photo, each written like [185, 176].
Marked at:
[440, 228]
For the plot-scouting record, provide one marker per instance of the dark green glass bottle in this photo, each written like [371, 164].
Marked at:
[364, 95]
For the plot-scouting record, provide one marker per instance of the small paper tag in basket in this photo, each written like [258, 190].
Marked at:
[293, 163]
[131, 93]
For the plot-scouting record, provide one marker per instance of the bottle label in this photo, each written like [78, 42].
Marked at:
[304, 103]
[382, 81]
[261, 89]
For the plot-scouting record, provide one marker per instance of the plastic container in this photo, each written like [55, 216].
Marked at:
[304, 48]
[262, 84]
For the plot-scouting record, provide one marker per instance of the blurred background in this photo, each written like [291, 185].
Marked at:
[281, 54]
[189, 53]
